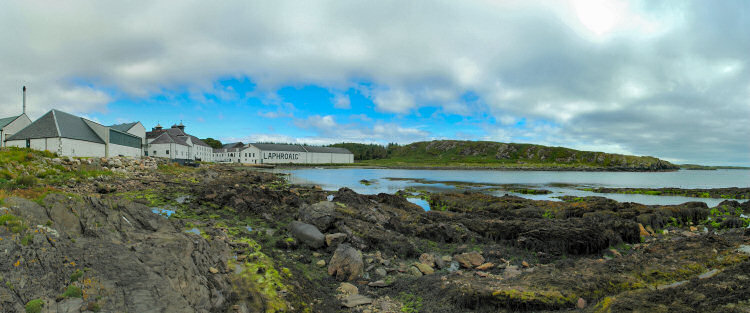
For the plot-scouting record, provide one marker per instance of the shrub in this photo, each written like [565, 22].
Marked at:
[72, 292]
[76, 275]
[34, 306]
[25, 181]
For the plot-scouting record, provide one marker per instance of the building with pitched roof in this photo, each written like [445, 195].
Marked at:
[74, 136]
[266, 153]
[11, 125]
[174, 143]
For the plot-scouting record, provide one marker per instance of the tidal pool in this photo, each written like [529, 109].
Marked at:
[559, 183]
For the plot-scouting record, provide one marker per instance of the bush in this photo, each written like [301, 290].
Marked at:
[34, 306]
[72, 292]
[25, 181]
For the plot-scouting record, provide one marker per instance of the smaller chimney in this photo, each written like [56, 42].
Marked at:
[24, 99]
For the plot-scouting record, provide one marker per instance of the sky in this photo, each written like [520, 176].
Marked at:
[669, 79]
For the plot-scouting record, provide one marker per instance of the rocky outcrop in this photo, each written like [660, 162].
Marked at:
[346, 263]
[107, 253]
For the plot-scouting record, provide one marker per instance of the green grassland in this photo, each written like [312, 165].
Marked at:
[487, 154]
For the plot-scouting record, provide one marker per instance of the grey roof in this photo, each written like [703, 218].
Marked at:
[165, 137]
[198, 142]
[58, 124]
[124, 127]
[299, 148]
[7, 120]
[232, 145]
[278, 147]
[327, 150]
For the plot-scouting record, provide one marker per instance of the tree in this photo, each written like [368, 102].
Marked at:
[213, 143]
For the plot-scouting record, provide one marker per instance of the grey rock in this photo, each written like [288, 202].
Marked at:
[381, 272]
[308, 234]
[333, 240]
[355, 300]
[320, 214]
[346, 263]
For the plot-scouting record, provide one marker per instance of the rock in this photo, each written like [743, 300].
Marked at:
[693, 228]
[70, 305]
[650, 230]
[443, 262]
[334, 240]
[642, 230]
[482, 274]
[213, 270]
[308, 234]
[424, 268]
[525, 264]
[414, 271]
[427, 259]
[708, 274]
[470, 259]
[346, 263]
[511, 271]
[347, 289]
[320, 214]
[486, 266]
[581, 304]
[321, 263]
[615, 252]
[381, 272]
[355, 300]
[379, 283]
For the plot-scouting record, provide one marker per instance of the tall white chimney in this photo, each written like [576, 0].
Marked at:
[24, 99]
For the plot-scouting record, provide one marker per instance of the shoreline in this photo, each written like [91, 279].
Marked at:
[469, 168]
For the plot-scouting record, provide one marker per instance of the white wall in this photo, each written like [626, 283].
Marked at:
[342, 158]
[250, 155]
[175, 151]
[283, 157]
[115, 150]
[79, 148]
[17, 125]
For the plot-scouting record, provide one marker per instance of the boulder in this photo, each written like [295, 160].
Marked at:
[427, 259]
[424, 268]
[320, 214]
[355, 300]
[346, 263]
[333, 240]
[347, 289]
[308, 234]
[469, 259]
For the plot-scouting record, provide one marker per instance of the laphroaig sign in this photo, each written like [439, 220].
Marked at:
[281, 155]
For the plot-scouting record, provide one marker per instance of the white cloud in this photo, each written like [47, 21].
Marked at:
[341, 101]
[570, 62]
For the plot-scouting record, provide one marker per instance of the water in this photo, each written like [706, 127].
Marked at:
[420, 202]
[163, 212]
[560, 183]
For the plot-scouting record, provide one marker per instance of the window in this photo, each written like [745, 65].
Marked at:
[154, 152]
[167, 151]
[146, 153]
[28, 143]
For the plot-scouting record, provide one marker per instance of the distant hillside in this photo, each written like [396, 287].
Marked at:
[453, 153]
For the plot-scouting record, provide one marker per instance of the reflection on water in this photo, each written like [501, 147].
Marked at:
[560, 183]
[420, 202]
[164, 212]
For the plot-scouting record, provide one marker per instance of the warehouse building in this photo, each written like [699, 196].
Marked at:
[265, 153]
[11, 125]
[70, 135]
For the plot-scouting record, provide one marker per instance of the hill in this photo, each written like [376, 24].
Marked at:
[487, 154]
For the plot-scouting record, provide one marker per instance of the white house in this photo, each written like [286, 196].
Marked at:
[74, 136]
[174, 143]
[11, 125]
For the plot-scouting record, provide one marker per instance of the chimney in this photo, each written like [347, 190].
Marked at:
[24, 99]
[180, 126]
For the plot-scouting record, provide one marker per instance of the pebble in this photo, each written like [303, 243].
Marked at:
[414, 271]
[213, 270]
[581, 304]
[486, 266]
[355, 300]
[525, 264]
[321, 263]
[424, 268]
[347, 289]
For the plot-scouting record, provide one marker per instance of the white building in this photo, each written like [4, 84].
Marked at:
[70, 135]
[174, 143]
[229, 153]
[264, 153]
[11, 125]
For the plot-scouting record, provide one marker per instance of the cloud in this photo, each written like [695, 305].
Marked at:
[341, 101]
[664, 78]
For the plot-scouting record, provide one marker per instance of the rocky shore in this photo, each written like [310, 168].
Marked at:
[167, 238]
[719, 193]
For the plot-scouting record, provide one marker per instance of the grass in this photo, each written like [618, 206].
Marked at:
[13, 223]
[410, 303]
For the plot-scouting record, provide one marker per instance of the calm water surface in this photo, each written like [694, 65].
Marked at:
[560, 183]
